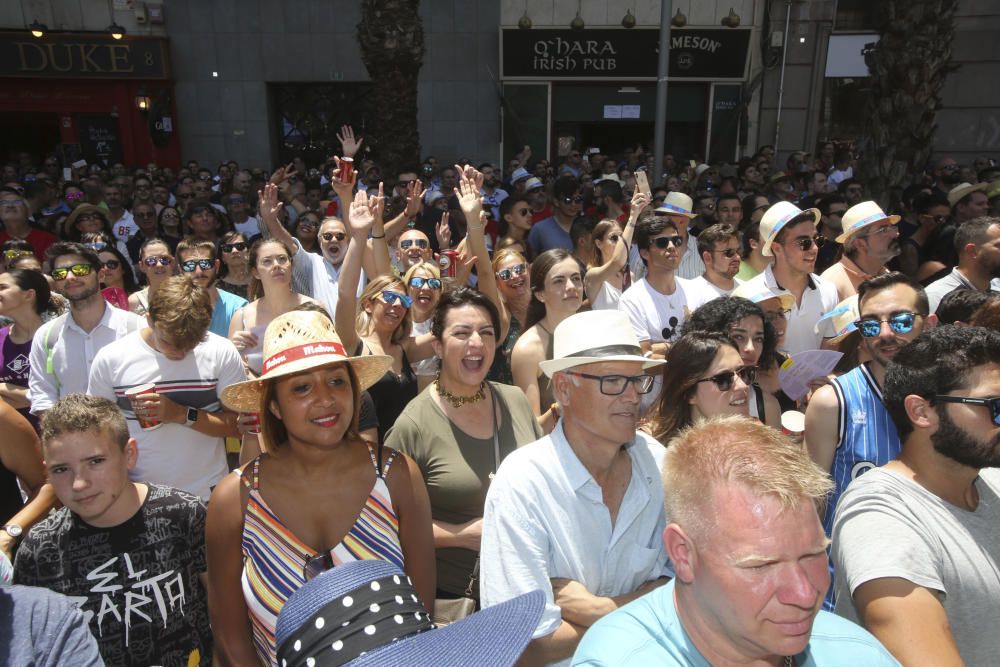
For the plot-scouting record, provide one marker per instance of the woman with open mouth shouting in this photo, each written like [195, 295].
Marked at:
[319, 497]
[423, 285]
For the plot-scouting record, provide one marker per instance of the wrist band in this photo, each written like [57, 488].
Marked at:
[378, 237]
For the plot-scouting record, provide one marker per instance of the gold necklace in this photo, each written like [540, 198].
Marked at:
[459, 401]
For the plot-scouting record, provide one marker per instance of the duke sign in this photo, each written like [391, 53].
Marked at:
[83, 56]
[623, 54]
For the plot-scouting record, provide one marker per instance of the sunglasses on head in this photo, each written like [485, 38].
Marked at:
[11, 255]
[615, 385]
[806, 244]
[724, 381]
[111, 264]
[510, 272]
[192, 264]
[78, 270]
[229, 247]
[408, 243]
[162, 260]
[992, 402]
[418, 282]
[329, 236]
[900, 323]
[572, 200]
[391, 297]
[662, 242]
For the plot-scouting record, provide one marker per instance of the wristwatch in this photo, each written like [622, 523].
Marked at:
[13, 530]
[192, 416]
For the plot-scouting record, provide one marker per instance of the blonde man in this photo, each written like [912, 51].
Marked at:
[189, 366]
[750, 558]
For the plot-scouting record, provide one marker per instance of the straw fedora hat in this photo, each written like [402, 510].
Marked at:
[860, 216]
[71, 219]
[963, 190]
[677, 203]
[296, 342]
[593, 337]
[775, 219]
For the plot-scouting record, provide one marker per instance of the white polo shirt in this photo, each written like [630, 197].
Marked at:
[819, 298]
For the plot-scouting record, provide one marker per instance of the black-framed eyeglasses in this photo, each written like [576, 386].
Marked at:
[991, 402]
[724, 381]
[192, 264]
[420, 243]
[329, 236]
[615, 385]
[162, 260]
[418, 282]
[806, 244]
[79, 270]
[511, 271]
[111, 264]
[317, 565]
[239, 246]
[391, 297]
[900, 323]
[728, 252]
[572, 200]
[662, 242]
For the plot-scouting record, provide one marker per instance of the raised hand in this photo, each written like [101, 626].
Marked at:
[281, 174]
[378, 201]
[463, 270]
[443, 232]
[348, 145]
[339, 184]
[468, 193]
[361, 218]
[267, 203]
[639, 202]
[414, 198]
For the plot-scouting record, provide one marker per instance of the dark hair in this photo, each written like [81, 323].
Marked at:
[973, 231]
[26, 279]
[565, 186]
[539, 271]
[601, 230]
[650, 226]
[749, 203]
[612, 189]
[846, 183]
[456, 298]
[128, 277]
[886, 280]
[824, 202]
[925, 201]
[581, 230]
[938, 361]
[687, 361]
[779, 238]
[714, 234]
[62, 248]
[720, 315]
[750, 233]
[960, 305]
[988, 315]
[228, 237]
[505, 207]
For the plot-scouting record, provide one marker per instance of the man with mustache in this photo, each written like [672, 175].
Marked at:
[915, 542]
[870, 239]
[848, 430]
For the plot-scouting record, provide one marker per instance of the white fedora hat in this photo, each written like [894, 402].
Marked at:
[677, 203]
[860, 216]
[593, 337]
[775, 219]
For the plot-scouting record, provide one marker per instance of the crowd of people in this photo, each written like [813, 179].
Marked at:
[541, 412]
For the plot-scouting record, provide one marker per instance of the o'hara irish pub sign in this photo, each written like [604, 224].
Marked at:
[709, 54]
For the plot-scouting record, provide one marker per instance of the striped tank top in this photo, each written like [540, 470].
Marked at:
[274, 558]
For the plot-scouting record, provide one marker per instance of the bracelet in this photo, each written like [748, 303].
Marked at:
[378, 237]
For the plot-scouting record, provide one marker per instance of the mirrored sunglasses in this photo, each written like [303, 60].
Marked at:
[78, 270]
[900, 323]
[391, 297]
[418, 282]
[192, 264]
[510, 272]
[408, 243]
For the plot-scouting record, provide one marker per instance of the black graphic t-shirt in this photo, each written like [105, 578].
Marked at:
[137, 583]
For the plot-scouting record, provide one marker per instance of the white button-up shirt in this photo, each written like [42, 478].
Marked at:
[73, 350]
[545, 517]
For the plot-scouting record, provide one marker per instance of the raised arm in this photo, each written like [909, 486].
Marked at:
[378, 246]
[359, 222]
[598, 274]
[268, 206]
[414, 204]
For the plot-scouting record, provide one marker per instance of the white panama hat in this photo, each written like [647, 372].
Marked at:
[593, 337]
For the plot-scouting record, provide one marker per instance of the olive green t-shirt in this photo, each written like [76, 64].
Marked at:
[457, 467]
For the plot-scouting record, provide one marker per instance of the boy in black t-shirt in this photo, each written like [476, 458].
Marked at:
[131, 554]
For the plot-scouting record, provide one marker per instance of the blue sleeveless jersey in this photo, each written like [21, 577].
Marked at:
[866, 438]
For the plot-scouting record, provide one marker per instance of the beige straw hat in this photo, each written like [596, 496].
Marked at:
[299, 341]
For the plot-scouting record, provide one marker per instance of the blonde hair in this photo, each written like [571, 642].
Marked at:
[430, 267]
[372, 291]
[736, 450]
[183, 310]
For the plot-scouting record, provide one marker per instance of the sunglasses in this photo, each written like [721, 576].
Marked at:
[662, 242]
[807, 244]
[239, 246]
[162, 260]
[409, 243]
[11, 255]
[235, 200]
[901, 323]
[728, 252]
[329, 236]
[111, 264]
[724, 381]
[78, 270]
[510, 272]
[11, 202]
[391, 297]
[615, 385]
[419, 282]
[186, 196]
[192, 264]
[403, 184]
[317, 565]
[73, 196]
[83, 217]
[523, 211]
[147, 214]
[572, 200]
[992, 402]
[938, 219]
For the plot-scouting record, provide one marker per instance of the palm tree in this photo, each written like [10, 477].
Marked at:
[391, 36]
[908, 69]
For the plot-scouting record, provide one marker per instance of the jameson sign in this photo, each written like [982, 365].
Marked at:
[598, 53]
[83, 56]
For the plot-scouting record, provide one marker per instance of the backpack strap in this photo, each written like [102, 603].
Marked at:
[50, 368]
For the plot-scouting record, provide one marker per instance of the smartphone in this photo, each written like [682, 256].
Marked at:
[642, 183]
[79, 164]
[67, 174]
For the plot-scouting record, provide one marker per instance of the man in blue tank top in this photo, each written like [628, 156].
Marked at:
[848, 431]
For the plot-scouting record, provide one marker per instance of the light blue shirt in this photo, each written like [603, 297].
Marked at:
[648, 631]
[546, 235]
[225, 308]
[545, 517]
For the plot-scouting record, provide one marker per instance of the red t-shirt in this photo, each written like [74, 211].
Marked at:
[39, 241]
[541, 215]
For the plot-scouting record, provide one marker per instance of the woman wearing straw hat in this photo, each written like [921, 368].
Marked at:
[320, 497]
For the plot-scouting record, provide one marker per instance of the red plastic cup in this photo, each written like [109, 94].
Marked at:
[146, 423]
